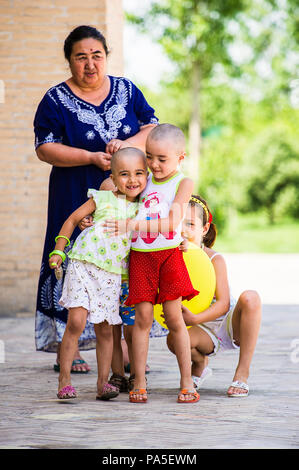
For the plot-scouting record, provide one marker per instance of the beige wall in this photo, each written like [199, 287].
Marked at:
[31, 61]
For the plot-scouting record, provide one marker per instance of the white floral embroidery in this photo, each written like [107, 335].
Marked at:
[48, 139]
[113, 115]
[90, 135]
[126, 129]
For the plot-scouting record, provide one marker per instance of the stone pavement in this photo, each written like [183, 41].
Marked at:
[32, 418]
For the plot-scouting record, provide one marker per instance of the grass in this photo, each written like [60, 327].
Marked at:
[253, 234]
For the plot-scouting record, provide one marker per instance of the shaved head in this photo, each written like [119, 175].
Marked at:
[170, 133]
[127, 152]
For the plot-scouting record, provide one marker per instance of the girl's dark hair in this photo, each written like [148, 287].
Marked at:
[210, 237]
[79, 33]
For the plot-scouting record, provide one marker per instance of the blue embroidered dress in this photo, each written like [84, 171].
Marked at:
[64, 118]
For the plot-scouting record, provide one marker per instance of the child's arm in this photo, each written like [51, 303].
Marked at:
[218, 308]
[67, 230]
[107, 185]
[87, 221]
[167, 224]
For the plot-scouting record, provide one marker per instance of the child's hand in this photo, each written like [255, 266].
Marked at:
[55, 261]
[116, 227]
[85, 222]
[184, 245]
[188, 316]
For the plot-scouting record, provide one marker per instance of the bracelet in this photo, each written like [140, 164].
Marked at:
[63, 236]
[58, 252]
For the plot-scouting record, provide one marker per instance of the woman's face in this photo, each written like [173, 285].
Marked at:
[88, 63]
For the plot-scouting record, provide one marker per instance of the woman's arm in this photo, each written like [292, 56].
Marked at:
[218, 308]
[138, 140]
[64, 156]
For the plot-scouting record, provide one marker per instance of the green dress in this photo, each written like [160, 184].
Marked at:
[97, 247]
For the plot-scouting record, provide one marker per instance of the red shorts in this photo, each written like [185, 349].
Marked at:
[158, 276]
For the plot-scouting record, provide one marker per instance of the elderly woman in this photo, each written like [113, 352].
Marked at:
[78, 125]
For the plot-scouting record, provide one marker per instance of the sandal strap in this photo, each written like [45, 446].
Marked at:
[109, 388]
[185, 391]
[78, 361]
[239, 384]
[138, 391]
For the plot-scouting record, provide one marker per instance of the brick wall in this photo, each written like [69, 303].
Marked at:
[31, 61]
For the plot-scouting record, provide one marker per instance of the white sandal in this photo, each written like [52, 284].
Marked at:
[241, 385]
[198, 381]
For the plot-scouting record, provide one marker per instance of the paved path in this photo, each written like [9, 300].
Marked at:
[32, 417]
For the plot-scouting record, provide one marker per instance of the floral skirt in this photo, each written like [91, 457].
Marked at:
[86, 285]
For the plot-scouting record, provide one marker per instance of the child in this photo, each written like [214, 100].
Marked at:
[156, 262]
[225, 324]
[122, 334]
[92, 283]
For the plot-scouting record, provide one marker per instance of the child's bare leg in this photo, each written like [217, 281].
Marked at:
[140, 341]
[104, 350]
[124, 348]
[201, 345]
[246, 324]
[117, 363]
[75, 325]
[181, 342]
[128, 333]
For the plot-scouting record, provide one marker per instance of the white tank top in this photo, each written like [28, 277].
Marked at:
[154, 203]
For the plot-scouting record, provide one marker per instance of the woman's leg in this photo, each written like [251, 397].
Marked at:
[75, 325]
[104, 351]
[140, 342]
[246, 324]
[80, 367]
[181, 343]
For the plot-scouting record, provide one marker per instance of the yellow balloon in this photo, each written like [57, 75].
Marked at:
[202, 275]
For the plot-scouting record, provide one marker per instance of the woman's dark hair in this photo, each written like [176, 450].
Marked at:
[210, 237]
[79, 33]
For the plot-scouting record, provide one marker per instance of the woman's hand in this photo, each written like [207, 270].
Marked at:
[101, 159]
[85, 222]
[116, 227]
[115, 144]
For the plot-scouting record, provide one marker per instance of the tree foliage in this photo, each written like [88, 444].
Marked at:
[247, 53]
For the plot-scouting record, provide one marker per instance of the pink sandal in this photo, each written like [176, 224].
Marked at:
[67, 392]
[108, 391]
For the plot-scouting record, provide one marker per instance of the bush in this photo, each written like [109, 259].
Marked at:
[271, 175]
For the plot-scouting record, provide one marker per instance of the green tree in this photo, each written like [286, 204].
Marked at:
[271, 174]
[195, 36]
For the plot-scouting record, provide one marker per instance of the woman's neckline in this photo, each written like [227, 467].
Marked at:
[89, 102]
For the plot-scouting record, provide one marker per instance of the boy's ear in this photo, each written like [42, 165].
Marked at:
[182, 156]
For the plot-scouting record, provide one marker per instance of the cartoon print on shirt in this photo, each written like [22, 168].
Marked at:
[152, 211]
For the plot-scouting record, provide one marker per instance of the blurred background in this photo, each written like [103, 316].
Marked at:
[227, 74]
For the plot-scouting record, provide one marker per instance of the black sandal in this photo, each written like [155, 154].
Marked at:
[131, 382]
[119, 381]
